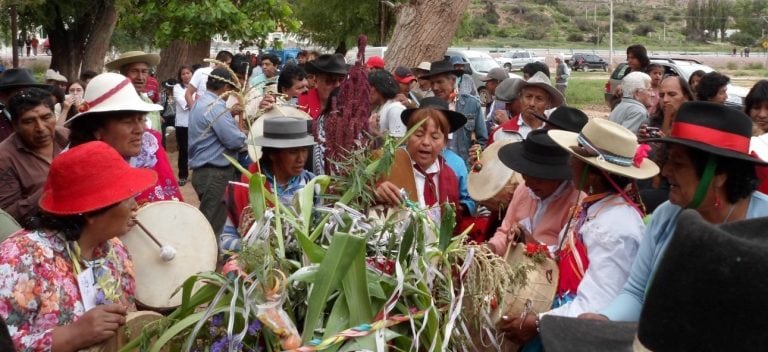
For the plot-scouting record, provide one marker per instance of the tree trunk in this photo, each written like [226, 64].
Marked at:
[98, 41]
[423, 31]
[179, 53]
[14, 36]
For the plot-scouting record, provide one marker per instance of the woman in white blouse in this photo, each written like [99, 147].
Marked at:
[182, 121]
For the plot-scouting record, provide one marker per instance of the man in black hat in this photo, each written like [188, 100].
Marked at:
[329, 70]
[443, 76]
[11, 82]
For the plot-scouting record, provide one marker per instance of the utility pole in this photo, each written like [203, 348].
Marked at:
[610, 36]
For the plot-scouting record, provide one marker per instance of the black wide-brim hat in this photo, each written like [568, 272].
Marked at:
[537, 156]
[456, 120]
[19, 78]
[565, 118]
[441, 67]
[713, 128]
[328, 63]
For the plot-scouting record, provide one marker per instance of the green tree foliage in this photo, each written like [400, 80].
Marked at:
[748, 16]
[197, 20]
[490, 14]
[708, 18]
[333, 22]
[742, 39]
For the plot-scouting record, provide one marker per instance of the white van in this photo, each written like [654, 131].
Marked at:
[479, 65]
[351, 55]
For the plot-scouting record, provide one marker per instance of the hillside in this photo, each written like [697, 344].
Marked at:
[577, 23]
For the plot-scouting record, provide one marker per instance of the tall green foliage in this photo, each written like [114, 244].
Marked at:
[334, 23]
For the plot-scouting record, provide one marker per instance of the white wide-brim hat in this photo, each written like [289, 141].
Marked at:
[130, 57]
[541, 80]
[492, 176]
[257, 128]
[607, 146]
[111, 92]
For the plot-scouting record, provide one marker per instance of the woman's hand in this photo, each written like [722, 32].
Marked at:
[388, 193]
[519, 330]
[95, 326]
[267, 102]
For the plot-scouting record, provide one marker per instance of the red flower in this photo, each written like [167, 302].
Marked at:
[83, 107]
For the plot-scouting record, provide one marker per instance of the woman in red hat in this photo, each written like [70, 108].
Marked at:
[710, 170]
[67, 281]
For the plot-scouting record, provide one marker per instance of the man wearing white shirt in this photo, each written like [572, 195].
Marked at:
[200, 77]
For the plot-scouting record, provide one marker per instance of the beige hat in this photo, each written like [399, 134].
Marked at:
[541, 80]
[492, 176]
[424, 65]
[607, 146]
[130, 57]
[111, 92]
[55, 76]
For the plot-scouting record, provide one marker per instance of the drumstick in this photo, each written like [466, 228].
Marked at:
[148, 233]
[167, 253]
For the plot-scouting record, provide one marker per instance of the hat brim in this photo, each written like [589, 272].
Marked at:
[131, 183]
[492, 176]
[566, 140]
[430, 74]
[559, 334]
[456, 120]
[405, 80]
[555, 95]
[47, 87]
[513, 157]
[283, 143]
[150, 59]
[121, 106]
[314, 69]
[709, 149]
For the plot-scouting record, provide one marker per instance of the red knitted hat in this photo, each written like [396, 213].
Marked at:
[89, 177]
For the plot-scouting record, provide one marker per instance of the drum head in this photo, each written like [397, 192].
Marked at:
[493, 175]
[257, 128]
[175, 224]
[538, 292]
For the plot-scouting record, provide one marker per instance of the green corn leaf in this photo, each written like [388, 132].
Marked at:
[368, 343]
[338, 320]
[355, 286]
[256, 193]
[180, 327]
[447, 224]
[306, 199]
[237, 165]
[332, 269]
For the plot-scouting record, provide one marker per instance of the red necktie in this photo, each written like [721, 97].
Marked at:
[430, 189]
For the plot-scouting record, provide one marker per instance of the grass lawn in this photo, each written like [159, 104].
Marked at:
[585, 90]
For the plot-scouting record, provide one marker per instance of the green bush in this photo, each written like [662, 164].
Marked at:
[628, 15]
[755, 66]
[503, 32]
[643, 29]
[478, 27]
[731, 65]
[575, 37]
[742, 39]
[583, 24]
[535, 33]
[659, 17]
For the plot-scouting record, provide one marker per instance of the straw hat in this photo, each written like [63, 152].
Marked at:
[493, 176]
[53, 75]
[541, 80]
[76, 186]
[130, 57]
[111, 92]
[607, 146]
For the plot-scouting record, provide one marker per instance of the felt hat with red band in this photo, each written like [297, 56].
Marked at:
[111, 92]
[713, 128]
[89, 177]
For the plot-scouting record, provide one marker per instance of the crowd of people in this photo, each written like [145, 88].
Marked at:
[601, 196]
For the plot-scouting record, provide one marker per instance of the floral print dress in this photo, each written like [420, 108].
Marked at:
[38, 285]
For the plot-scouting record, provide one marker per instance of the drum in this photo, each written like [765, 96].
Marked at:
[182, 227]
[489, 176]
[538, 292]
[134, 323]
[257, 128]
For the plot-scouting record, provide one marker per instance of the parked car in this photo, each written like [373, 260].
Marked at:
[515, 60]
[479, 65]
[584, 62]
[675, 66]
